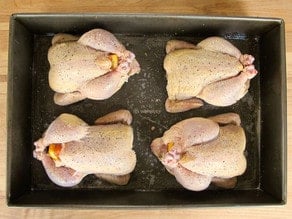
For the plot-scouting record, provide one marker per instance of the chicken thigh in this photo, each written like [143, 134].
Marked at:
[94, 66]
[70, 149]
[198, 151]
[214, 71]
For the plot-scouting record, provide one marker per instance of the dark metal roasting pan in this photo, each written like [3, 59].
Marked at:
[31, 109]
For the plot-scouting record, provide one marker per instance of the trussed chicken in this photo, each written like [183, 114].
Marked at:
[94, 66]
[198, 151]
[70, 149]
[213, 70]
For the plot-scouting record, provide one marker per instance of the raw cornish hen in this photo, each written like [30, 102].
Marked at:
[70, 149]
[94, 66]
[213, 70]
[198, 151]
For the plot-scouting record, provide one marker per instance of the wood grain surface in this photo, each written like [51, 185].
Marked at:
[258, 8]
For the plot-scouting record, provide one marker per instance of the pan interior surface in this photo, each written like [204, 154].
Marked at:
[144, 96]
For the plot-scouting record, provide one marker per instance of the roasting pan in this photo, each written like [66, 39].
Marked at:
[31, 109]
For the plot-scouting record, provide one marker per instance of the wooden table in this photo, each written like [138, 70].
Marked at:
[261, 8]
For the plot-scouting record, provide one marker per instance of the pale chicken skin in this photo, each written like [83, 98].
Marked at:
[199, 151]
[70, 149]
[213, 71]
[94, 66]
